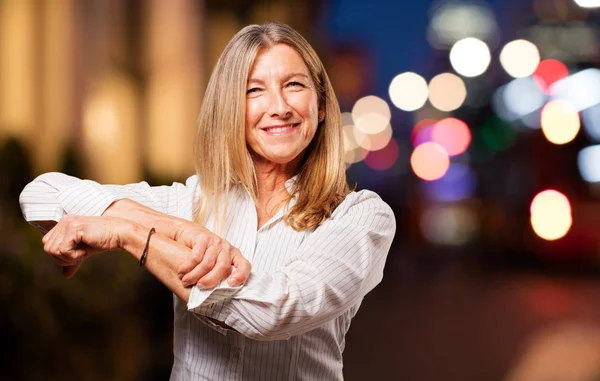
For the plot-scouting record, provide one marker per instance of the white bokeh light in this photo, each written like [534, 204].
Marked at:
[470, 57]
[588, 3]
[522, 96]
[451, 22]
[371, 114]
[591, 122]
[588, 162]
[581, 89]
[408, 91]
[519, 58]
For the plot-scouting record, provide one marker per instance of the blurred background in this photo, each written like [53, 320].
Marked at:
[477, 121]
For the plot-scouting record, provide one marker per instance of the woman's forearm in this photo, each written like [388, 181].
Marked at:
[163, 258]
[164, 224]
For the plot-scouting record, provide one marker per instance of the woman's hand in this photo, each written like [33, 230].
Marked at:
[212, 257]
[211, 260]
[74, 238]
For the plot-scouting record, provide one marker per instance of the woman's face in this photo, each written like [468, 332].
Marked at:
[282, 111]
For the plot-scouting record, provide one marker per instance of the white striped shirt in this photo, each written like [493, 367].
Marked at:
[292, 314]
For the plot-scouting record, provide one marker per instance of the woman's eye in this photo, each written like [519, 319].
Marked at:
[295, 84]
[252, 90]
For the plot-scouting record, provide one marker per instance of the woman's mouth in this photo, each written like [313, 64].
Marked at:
[281, 129]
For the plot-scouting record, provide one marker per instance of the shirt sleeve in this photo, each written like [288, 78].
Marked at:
[336, 267]
[52, 195]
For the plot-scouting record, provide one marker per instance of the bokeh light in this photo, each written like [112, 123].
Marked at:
[548, 72]
[588, 3]
[470, 57]
[495, 135]
[421, 132]
[560, 121]
[517, 99]
[371, 114]
[452, 134]
[581, 89]
[457, 184]
[550, 215]
[591, 122]
[588, 162]
[354, 153]
[384, 158]
[519, 58]
[373, 142]
[447, 92]
[355, 156]
[429, 161]
[449, 224]
[451, 22]
[408, 91]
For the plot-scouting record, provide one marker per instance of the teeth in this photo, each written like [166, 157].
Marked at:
[279, 129]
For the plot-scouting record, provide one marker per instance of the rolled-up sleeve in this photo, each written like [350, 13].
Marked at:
[52, 195]
[333, 270]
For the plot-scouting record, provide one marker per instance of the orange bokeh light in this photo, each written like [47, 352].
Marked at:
[430, 161]
[452, 134]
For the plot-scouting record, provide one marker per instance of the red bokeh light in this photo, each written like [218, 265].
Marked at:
[384, 158]
[548, 72]
[416, 135]
[452, 134]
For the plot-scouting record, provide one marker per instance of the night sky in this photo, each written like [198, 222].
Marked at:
[395, 32]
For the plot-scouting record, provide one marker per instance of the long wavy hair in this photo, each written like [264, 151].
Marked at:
[223, 159]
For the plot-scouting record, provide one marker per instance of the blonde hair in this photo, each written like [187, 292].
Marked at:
[222, 156]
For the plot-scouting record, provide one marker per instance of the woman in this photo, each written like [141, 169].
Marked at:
[270, 192]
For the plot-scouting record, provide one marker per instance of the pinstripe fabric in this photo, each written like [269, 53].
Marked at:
[292, 314]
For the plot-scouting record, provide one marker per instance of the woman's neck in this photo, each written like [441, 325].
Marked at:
[272, 192]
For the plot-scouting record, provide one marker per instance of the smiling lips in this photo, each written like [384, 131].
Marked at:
[282, 129]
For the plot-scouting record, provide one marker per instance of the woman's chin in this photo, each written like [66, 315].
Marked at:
[279, 158]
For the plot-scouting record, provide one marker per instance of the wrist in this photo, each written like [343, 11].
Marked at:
[115, 209]
[131, 236]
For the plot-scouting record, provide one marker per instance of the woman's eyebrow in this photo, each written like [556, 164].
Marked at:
[285, 78]
[256, 80]
[292, 75]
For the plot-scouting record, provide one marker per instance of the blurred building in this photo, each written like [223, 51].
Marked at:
[116, 83]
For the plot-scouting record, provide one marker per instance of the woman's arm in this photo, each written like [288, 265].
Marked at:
[336, 267]
[75, 237]
[71, 240]
[52, 195]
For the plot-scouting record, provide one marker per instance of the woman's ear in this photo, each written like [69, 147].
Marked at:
[321, 116]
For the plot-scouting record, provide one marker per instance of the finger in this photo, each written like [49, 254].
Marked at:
[196, 257]
[202, 268]
[70, 253]
[242, 270]
[220, 271]
[69, 271]
[61, 261]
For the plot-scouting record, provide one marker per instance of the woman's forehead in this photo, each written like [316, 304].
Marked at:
[280, 60]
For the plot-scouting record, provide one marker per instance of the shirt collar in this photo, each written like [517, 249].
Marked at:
[290, 183]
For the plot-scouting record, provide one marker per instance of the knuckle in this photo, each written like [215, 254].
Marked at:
[204, 267]
[202, 240]
[210, 262]
[197, 257]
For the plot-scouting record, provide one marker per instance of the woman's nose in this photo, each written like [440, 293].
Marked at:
[278, 106]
